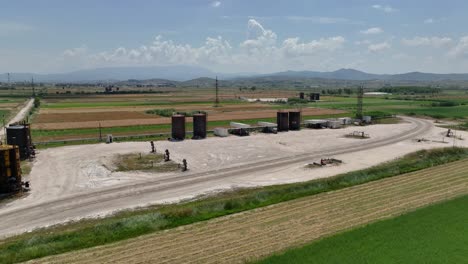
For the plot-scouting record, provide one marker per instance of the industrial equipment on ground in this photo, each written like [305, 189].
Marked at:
[10, 170]
[358, 134]
[221, 132]
[153, 148]
[167, 156]
[20, 135]
[240, 129]
[184, 165]
[325, 162]
[346, 120]
[268, 127]
[301, 95]
[334, 124]
[109, 139]
[314, 97]
[367, 119]
[316, 123]
[282, 120]
[178, 127]
[294, 120]
[199, 125]
[449, 133]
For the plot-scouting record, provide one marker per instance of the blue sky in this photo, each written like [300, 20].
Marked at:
[235, 35]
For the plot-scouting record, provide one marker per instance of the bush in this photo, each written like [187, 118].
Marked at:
[37, 102]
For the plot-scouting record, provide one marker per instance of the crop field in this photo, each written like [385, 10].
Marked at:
[262, 232]
[9, 105]
[81, 113]
[435, 234]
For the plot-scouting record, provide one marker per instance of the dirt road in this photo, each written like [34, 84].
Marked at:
[70, 183]
[258, 233]
[20, 116]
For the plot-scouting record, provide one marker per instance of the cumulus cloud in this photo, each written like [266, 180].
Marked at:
[429, 21]
[216, 4]
[261, 48]
[75, 52]
[378, 47]
[427, 41]
[372, 31]
[385, 8]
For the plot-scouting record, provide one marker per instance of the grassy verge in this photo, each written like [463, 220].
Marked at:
[435, 234]
[128, 224]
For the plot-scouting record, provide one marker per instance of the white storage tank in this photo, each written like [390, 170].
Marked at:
[221, 132]
[367, 119]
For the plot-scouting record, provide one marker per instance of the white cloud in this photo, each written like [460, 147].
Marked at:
[292, 47]
[74, 52]
[461, 49]
[378, 47]
[429, 21]
[216, 4]
[385, 8]
[372, 31]
[261, 51]
[427, 41]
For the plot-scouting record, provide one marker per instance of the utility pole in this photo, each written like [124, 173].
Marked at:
[33, 88]
[217, 93]
[360, 96]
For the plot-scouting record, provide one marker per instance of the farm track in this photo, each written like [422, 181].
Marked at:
[258, 233]
[72, 206]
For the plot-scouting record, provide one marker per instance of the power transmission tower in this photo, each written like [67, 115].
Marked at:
[217, 93]
[360, 97]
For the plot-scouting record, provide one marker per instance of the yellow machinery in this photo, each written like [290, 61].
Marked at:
[10, 170]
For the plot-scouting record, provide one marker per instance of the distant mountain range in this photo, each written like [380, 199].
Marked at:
[185, 73]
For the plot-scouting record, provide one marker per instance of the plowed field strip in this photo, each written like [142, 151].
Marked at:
[257, 233]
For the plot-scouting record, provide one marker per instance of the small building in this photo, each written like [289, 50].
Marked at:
[334, 124]
[346, 120]
[367, 119]
[316, 123]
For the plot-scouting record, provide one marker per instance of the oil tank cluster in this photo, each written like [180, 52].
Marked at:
[10, 171]
[295, 120]
[288, 121]
[282, 120]
[199, 126]
[314, 97]
[20, 135]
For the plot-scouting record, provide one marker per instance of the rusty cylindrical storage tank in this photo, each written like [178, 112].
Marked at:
[178, 127]
[10, 171]
[282, 120]
[199, 126]
[20, 135]
[294, 120]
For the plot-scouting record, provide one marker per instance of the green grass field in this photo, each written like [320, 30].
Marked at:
[435, 234]
[94, 232]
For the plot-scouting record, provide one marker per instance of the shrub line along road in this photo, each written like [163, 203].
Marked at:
[261, 232]
[20, 219]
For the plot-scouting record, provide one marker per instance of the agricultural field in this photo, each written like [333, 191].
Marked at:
[9, 106]
[264, 231]
[435, 234]
[80, 116]
[87, 113]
